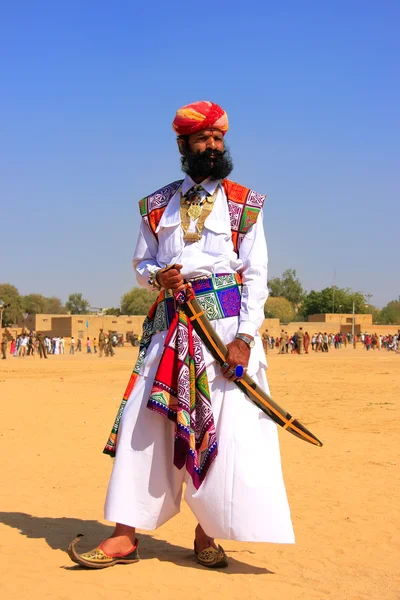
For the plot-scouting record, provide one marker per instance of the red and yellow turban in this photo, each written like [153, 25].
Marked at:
[200, 115]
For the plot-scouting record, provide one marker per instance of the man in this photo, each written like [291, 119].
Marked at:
[283, 342]
[109, 345]
[265, 339]
[72, 346]
[300, 340]
[210, 235]
[102, 338]
[23, 346]
[325, 346]
[41, 345]
[4, 342]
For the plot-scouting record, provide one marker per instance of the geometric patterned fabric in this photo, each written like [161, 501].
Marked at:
[180, 393]
[187, 404]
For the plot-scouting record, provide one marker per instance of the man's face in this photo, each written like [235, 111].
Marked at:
[207, 139]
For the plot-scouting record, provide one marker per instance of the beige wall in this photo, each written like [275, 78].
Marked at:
[75, 325]
[122, 325]
[342, 318]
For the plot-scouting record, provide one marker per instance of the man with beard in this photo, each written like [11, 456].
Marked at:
[208, 231]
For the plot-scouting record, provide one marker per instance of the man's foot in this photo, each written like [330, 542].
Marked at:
[206, 551]
[98, 558]
[117, 544]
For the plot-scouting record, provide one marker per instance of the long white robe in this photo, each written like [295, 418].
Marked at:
[243, 496]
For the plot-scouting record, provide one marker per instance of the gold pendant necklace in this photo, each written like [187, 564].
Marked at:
[198, 210]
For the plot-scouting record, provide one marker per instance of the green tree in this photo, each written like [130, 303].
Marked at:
[112, 311]
[279, 308]
[322, 302]
[288, 286]
[390, 314]
[77, 305]
[54, 306]
[34, 304]
[10, 295]
[137, 301]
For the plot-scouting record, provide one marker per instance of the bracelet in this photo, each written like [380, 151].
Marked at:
[153, 279]
[246, 339]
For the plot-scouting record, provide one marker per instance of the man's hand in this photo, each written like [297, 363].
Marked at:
[238, 354]
[171, 278]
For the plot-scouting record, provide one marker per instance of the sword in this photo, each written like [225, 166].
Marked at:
[253, 391]
[249, 387]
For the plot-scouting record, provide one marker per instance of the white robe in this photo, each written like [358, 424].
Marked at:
[243, 496]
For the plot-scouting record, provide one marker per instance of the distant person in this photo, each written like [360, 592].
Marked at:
[79, 345]
[30, 345]
[4, 343]
[95, 345]
[110, 349]
[306, 342]
[62, 345]
[325, 344]
[282, 344]
[300, 340]
[72, 346]
[56, 345]
[41, 345]
[265, 339]
[12, 346]
[88, 346]
[102, 341]
[23, 346]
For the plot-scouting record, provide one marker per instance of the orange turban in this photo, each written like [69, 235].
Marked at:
[200, 115]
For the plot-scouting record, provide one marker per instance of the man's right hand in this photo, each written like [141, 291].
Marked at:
[171, 278]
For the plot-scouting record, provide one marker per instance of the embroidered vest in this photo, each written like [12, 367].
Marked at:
[244, 207]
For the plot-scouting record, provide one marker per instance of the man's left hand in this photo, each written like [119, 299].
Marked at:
[238, 354]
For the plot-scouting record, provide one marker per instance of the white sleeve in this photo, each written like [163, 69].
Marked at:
[254, 255]
[144, 257]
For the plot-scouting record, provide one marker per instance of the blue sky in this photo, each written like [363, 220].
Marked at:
[88, 91]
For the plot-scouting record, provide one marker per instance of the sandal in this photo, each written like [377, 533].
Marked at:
[212, 558]
[98, 559]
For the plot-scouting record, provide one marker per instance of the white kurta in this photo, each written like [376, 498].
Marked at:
[243, 496]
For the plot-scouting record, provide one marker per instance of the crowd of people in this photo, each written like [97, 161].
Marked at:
[36, 343]
[29, 344]
[300, 342]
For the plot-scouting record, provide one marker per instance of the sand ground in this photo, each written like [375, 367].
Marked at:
[344, 497]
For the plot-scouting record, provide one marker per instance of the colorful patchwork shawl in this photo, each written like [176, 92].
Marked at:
[244, 207]
[180, 390]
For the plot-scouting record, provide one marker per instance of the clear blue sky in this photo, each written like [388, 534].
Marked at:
[88, 90]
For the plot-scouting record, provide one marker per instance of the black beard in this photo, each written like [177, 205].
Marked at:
[200, 165]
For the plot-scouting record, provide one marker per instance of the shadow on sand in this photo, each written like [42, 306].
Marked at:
[60, 531]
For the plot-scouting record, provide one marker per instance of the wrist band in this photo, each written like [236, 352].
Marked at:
[153, 279]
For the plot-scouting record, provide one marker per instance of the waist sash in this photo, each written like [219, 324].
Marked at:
[180, 391]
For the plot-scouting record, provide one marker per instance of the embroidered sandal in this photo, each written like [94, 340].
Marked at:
[98, 559]
[212, 558]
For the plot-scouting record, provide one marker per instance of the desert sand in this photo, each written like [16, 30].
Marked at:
[344, 497]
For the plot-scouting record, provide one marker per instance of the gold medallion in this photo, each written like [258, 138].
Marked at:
[194, 211]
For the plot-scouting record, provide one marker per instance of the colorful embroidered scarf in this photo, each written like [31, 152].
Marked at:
[180, 391]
